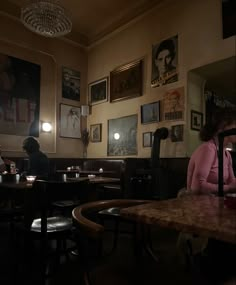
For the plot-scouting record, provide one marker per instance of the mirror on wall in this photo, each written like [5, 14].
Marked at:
[219, 84]
[220, 79]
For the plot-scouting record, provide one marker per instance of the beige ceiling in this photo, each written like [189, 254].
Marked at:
[92, 19]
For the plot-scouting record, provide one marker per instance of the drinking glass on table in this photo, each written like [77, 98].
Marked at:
[30, 179]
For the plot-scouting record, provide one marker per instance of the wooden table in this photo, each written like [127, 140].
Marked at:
[98, 180]
[85, 172]
[28, 185]
[199, 214]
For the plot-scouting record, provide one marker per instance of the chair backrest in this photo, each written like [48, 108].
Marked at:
[91, 228]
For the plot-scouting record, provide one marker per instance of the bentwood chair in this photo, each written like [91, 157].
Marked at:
[44, 232]
[89, 233]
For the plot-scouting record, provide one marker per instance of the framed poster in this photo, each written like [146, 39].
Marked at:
[150, 113]
[96, 133]
[126, 81]
[19, 96]
[98, 91]
[122, 136]
[70, 84]
[165, 62]
[69, 121]
[174, 104]
[177, 133]
[147, 139]
[196, 120]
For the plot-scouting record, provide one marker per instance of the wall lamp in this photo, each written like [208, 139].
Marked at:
[46, 127]
[84, 110]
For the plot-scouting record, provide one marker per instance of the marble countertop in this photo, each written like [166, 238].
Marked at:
[200, 214]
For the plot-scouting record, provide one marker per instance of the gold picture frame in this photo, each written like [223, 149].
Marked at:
[126, 81]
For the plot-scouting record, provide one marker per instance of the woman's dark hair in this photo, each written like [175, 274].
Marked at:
[221, 118]
[31, 145]
[166, 44]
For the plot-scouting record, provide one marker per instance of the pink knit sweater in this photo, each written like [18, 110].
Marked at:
[202, 175]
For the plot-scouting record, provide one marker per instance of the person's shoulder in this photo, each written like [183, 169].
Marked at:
[43, 154]
[207, 146]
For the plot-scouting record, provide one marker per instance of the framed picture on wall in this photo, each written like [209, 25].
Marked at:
[70, 84]
[126, 81]
[69, 121]
[19, 96]
[98, 91]
[196, 120]
[147, 139]
[96, 133]
[150, 113]
[177, 133]
[122, 136]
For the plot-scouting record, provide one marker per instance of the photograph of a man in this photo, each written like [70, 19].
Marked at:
[164, 62]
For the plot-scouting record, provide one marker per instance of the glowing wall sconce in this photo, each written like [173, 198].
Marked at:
[46, 127]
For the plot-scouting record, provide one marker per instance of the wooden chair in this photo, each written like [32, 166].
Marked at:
[89, 233]
[41, 224]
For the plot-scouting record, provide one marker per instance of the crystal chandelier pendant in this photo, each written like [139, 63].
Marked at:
[46, 18]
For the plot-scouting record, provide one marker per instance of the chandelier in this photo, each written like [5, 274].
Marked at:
[46, 18]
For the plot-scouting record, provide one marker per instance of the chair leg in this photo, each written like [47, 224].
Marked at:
[115, 235]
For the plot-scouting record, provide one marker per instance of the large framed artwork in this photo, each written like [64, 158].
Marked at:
[122, 136]
[126, 81]
[19, 96]
[70, 84]
[98, 91]
[150, 113]
[69, 121]
[165, 62]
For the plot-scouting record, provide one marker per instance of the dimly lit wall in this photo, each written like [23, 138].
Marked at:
[198, 25]
[51, 55]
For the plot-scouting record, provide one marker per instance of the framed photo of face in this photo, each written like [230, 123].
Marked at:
[165, 62]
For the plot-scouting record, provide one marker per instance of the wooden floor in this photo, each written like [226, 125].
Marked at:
[121, 268]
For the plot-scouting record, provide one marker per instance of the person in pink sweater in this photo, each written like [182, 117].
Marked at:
[202, 173]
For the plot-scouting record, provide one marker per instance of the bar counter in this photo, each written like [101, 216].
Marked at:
[205, 215]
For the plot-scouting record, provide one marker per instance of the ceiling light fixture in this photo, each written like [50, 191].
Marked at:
[46, 18]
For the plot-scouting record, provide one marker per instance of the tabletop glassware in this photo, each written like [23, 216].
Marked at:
[30, 178]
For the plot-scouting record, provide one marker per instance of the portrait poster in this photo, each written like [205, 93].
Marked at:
[70, 84]
[165, 62]
[174, 104]
[70, 121]
[122, 136]
[177, 133]
[19, 96]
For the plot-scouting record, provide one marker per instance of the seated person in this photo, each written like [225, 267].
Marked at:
[38, 161]
[202, 175]
[202, 178]
[4, 163]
